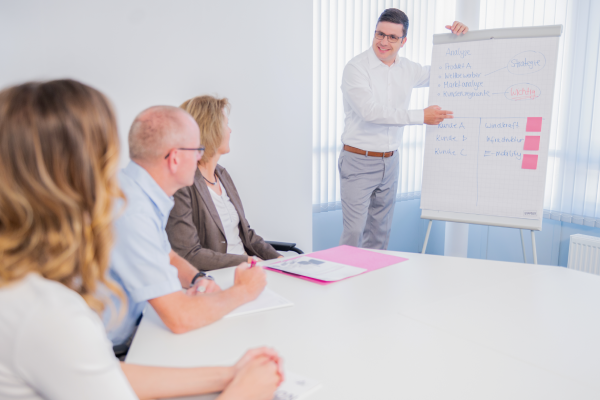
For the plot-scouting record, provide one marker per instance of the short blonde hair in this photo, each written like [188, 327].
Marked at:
[59, 154]
[208, 113]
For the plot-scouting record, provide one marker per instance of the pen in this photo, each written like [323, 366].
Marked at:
[252, 263]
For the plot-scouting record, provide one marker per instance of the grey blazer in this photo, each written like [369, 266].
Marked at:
[196, 233]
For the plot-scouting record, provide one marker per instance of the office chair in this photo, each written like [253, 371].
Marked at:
[284, 246]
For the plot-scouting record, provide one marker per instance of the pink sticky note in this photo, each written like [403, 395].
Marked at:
[529, 161]
[352, 256]
[534, 124]
[532, 143]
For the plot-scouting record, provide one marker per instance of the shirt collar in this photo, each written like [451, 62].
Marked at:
[145, 181]
[375, 62]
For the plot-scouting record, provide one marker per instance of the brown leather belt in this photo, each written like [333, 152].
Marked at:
[367, 153]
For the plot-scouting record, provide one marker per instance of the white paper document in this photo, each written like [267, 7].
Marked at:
[296, 387]
[313, 268]
[267, 300]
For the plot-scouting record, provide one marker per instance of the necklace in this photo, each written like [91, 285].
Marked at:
[212, 183]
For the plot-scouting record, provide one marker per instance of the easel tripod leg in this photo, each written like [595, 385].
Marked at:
[523, 245]
[427, 236]
[533, 245]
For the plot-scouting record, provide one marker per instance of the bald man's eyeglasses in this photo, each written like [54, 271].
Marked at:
[391, 38]
[199, 150]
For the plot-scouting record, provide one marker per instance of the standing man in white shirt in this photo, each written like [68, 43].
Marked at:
[376, 86]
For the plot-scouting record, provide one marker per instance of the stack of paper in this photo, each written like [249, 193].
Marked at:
[328, 271]
[267, 300]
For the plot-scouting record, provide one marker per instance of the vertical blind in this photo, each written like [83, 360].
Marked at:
[572, 182]
[342, 30]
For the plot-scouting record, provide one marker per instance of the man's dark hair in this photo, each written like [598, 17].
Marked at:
[394, 16]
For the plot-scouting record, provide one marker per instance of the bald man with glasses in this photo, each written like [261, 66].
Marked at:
[376, 87]
[164, 147]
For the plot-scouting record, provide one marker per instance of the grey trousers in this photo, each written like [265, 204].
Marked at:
[368, 188]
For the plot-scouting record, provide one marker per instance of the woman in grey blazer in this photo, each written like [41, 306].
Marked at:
[207, 225]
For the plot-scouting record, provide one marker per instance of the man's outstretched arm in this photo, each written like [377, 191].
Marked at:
[182, 312]
[185, 270]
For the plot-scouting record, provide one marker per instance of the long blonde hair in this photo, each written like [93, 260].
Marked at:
[59, 150]
[208, 113]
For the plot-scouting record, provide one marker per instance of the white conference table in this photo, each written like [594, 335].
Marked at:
[431, 327]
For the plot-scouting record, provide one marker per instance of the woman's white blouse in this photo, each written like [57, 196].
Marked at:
[53, 346]
[230, 220]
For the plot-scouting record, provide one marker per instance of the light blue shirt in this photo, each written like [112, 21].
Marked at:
[139, 261]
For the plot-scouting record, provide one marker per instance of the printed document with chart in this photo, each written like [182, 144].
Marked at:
[491, 158]
[310, 267]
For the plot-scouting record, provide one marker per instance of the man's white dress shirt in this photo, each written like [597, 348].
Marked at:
[376, 99]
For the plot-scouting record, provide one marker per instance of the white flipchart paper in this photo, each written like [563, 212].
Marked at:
[473, 163]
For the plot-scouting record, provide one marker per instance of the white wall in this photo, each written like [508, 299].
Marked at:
[140, 53]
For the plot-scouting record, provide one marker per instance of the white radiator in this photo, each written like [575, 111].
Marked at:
[584, 254]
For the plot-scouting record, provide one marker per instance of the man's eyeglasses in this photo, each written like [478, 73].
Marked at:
[391, 38]
[199, 150]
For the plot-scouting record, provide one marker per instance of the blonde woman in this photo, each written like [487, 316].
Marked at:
[58, 160]
[208, 226]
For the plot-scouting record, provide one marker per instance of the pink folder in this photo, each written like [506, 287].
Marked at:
[352, 256]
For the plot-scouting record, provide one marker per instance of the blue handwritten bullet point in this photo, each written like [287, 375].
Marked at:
[438, 85]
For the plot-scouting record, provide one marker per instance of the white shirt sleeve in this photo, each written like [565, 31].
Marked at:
[357, 91]
[423, 75]
[64, 354]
